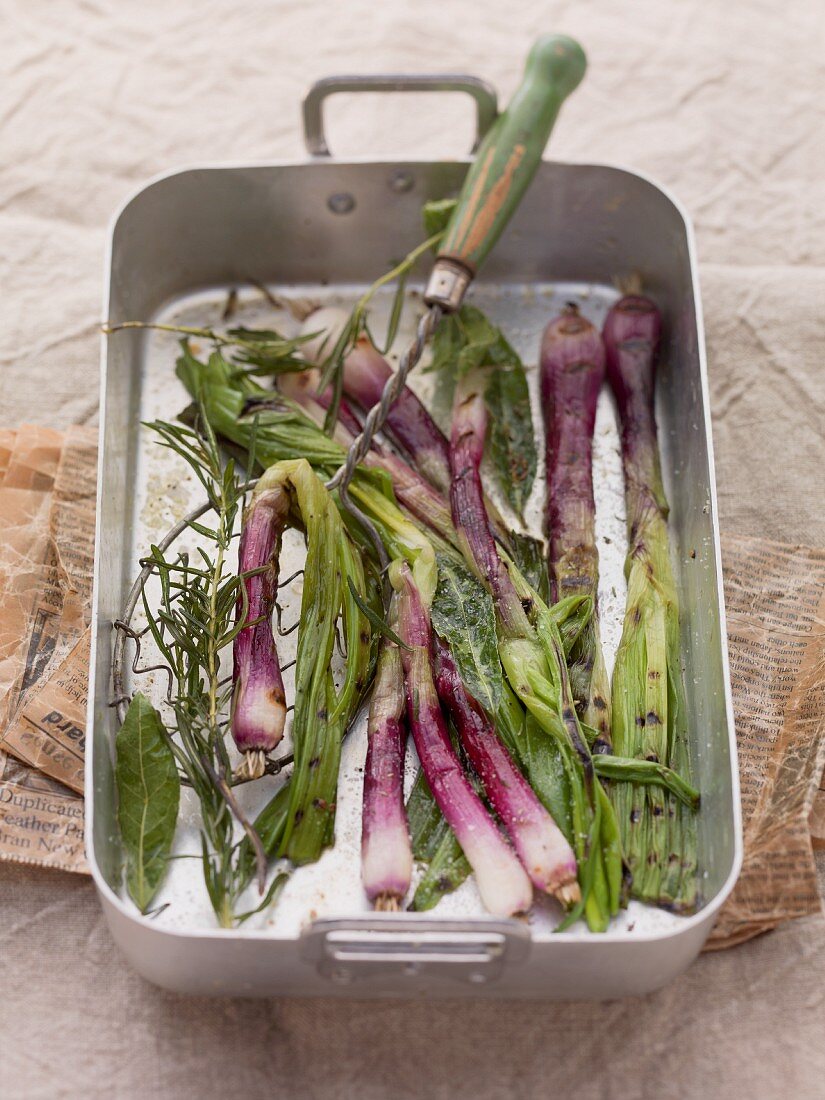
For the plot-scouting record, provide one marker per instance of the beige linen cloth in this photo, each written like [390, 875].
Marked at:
[721, 100]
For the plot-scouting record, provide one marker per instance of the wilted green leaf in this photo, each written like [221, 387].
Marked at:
[148, 793]
[436, 215]
[462, 614]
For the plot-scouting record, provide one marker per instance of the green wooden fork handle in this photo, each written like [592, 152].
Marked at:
[506, 162]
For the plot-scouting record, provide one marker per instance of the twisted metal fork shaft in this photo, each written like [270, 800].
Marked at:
[377, 416]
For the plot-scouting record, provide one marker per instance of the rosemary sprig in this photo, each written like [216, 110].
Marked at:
[192, 624]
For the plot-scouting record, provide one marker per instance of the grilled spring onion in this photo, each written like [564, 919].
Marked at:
[502, 882]
[258, 701]
[649, 720]
[410, 487]
[332, 571]
[364, 375]
[572, 372]
[386, 853]
[533, 656]
[541, 846]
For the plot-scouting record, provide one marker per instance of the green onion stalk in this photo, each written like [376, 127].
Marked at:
[649, 718]
[335, 587]
[386, 850]
[258, 700]
[572, 372]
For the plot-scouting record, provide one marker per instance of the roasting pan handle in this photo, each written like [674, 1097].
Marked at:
[481, 92]
[412, 950]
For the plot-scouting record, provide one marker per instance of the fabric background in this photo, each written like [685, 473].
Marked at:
[722, 102]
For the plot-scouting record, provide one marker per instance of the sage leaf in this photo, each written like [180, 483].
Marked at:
[462, 614]
[148, 794]
[445, 348]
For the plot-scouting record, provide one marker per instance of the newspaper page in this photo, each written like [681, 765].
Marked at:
[49, 730]
[44, 718]
[41, 822]
[775, 597]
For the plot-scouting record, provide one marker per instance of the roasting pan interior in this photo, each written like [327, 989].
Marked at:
[581, 231]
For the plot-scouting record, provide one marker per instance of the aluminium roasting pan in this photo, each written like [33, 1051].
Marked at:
[325, 228]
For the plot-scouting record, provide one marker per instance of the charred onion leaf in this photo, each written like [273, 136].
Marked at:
[649, 716]
[529, 555]
[462, 614]
[427, 825]
[446, 872]
[372, 617]
[512, 445]
[148, 795]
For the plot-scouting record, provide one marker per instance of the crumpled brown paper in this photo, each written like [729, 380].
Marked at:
[44, 720]
[41, 821]
[775, 599]
[48, 731]
[47, 511]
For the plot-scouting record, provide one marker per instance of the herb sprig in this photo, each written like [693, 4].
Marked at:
[193, 623]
